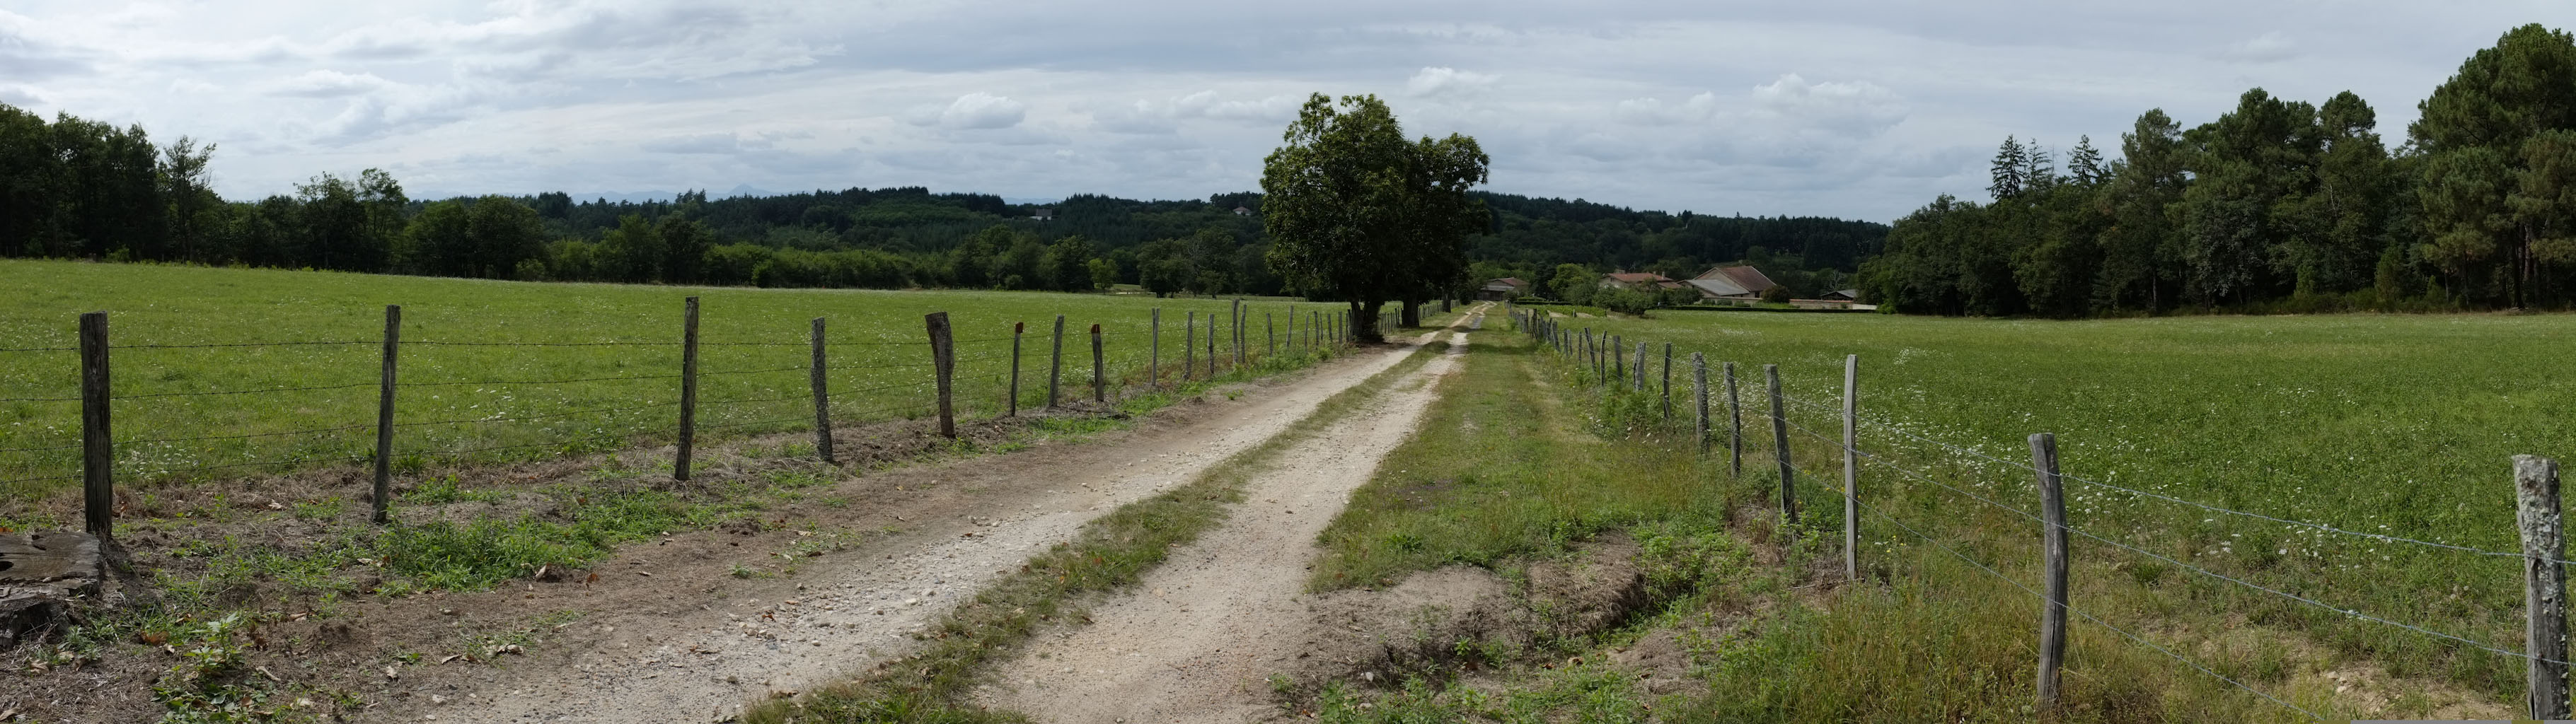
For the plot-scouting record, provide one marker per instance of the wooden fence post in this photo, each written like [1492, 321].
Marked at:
[1270, 335]
[822, 398]
[1055, 363]
[1241, 332]
[1851, 466]
[383, 492]
[688, 390]
[1780, 450]
[98, 448]
[1017, 328]
[1668, 380]
[1189, 346]
[1099, 381]
[1639, 382]
[2544, 579]
[1154, 358]
[1211, 346]
[1618, 352]
[1735, 425]
[943, 361]
[2052, 539]
[1699, 388]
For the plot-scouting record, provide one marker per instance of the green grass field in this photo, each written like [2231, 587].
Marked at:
[2393, 425]
[465, 387]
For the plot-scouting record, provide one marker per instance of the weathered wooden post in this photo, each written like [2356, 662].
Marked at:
[1099, 379]
[1269, 336]
[1189, 346]
[1639, 382]
[98, 447]
[2544, 580]
[2052, 618]
[1154, 358]
[1735, 425]
[1055, 363]
[1017, 328]
[1211, 346]
[1851, 466]
[688, 390]
[1699, 387]
[823, 397]
[943, 362]
[1618, 354]
[1780, 448]
[383, 492]
[1668, 380]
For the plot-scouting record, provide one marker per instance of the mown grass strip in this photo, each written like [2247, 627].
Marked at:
[1112, 552]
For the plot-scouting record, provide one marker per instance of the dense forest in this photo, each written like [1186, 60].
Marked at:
[75, 188]
[2278, 205]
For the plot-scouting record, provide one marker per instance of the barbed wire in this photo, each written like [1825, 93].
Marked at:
[246, 437]
[257, 463]
[39, 479]
[762, 422]
[672, 403]
[551, 443]
[245, 344]
[502, 383]
[39, 449]
[2043, 598]
[40, 399]
[798, 368]
[242, 392]
[40, 349]
[442, 343]
[756, 399]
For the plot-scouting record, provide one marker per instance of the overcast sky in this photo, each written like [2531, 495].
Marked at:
[1829, 107]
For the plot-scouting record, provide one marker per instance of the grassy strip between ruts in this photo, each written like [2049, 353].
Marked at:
[1113, 551]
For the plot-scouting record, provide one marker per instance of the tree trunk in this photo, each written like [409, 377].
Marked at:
[1412, 313]
[1364, 328]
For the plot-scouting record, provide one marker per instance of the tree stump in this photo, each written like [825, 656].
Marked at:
[41, 576]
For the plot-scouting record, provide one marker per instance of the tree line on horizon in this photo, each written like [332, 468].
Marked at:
[2277, 205]
[82, 189]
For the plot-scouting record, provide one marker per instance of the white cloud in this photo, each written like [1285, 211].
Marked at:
[1856, 108]
[1148, 117]
[328, 84]
[977, 110]
[1655, 112]
[2270, 47]
[1439, 82]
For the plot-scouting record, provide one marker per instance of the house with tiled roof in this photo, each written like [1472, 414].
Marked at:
[1640, 281]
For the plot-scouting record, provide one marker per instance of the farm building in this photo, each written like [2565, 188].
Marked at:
[1640, 281]
[1502, 289]
[1840, 295]
[1731, 283]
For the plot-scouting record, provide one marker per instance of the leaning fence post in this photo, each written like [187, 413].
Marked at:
[688, 390]
[1735, 425]
[1099, 381]
[98, 451]
[1780, 448]
[1017, 328]
[943, 361]
[822, 398]
[1055, 362]
[2544, 578]
[2052, 619]
[1618, 353]
[384, 483]
[1668, 380]
[1699, 388]
[1851, 466]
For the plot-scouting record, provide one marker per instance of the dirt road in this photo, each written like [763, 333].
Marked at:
[1194, 643]
[692, 654]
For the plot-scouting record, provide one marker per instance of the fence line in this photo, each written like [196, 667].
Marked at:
[1589, 364]
[977, 378]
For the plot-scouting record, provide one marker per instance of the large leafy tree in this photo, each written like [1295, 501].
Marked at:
[1355, 210]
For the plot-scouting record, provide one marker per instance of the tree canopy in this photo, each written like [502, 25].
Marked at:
[1354, 209]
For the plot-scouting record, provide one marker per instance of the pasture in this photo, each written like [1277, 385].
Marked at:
[2362, 425]
[228, 372]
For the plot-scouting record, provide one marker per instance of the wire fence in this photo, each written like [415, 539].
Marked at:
[487, 401]
[1600, 359]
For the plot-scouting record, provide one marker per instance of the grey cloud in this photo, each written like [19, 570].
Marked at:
[1445, 82]
[977, 110]
[328, 84]
[2270, 47]
[704, 143]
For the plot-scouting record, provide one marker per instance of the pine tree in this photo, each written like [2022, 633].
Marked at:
[2039, 170]
[2008, 170]
[2086, 163]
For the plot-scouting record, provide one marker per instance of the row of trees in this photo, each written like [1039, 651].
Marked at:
[75, 188]
[2277, 204]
